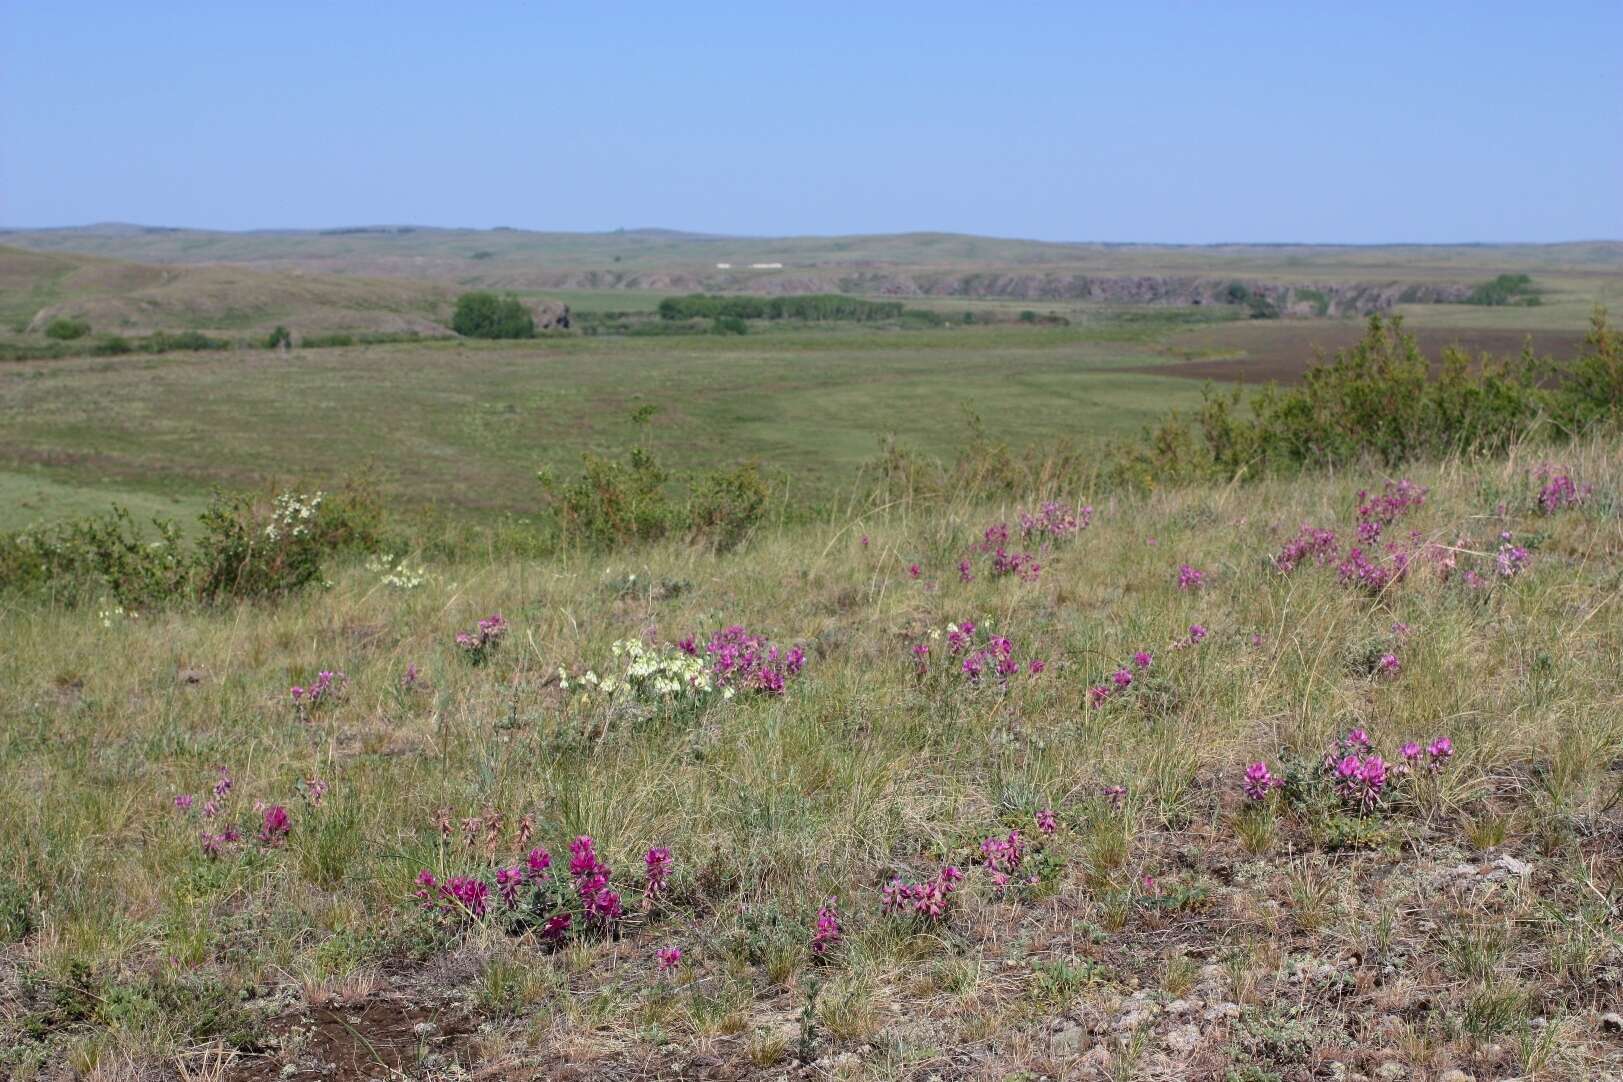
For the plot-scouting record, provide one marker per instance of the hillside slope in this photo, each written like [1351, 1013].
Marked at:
[117, 296]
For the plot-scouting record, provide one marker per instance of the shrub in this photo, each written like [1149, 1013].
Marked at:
[164, 342]
[106, 552]
[251, 550]
[1592, 388]
[726, 505]
[67, 328]
[611, 503]
[485, 315]
[729, 325]
[1376, 401]
[1505, 289]
[278, 338]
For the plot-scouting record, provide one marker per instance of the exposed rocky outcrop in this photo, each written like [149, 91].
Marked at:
[550, 315]
[1290, 299]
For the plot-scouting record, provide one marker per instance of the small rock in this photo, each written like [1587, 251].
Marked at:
[1068, 1041]
[423, 1029]
[1611, 1022]
[1511, 866]
[1098, 1059]
[1183, 1039]
[1391, 1071]
[1454, 1074]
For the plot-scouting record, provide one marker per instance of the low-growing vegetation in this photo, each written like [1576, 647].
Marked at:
[811, 307]
[1088, 790]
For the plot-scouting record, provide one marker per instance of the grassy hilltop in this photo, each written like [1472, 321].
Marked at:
[1150, 920]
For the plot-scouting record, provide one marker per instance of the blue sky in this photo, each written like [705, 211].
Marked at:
[1423, 122]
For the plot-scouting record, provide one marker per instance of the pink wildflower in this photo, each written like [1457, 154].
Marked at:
[669, 958]
[1260, 781]
[275, 826]
[658, 863]
[828, 932]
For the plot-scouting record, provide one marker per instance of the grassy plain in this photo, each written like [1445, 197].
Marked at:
[467, 424]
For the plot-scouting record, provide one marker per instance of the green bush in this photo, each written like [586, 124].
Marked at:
[251, 548]
[280, 337]
[611, 503]
[107, 553]
[1381, 402]
[1591, 388]
[1505, 289]
[726, 505]
[247, 548]
[729, 325]
[65, 328]
[485, 315]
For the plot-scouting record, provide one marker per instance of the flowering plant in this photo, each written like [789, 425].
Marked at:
[928, 900]
[394, 572]
[328, 686]
[481, 643]
[970, 654]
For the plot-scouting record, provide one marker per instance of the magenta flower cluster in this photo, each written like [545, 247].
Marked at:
[995, 543]
[1310, 543]
[1558, 491]
[1260, 781]
[828, 933]
[1189, 578]
[746, 662]
[464, 896]
[1055, 521]
[326, 687]
[929, 899]
[275, 826]
[591, 877]
[1003, 857]
[1396, 499]
[1122, 679]
[1512, 559]
[978, 659]
[657, 864]
[482, 642]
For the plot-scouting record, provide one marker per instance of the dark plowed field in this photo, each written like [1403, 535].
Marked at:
[1260, 352]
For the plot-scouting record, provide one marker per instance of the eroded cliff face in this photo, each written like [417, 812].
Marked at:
[1291, 299]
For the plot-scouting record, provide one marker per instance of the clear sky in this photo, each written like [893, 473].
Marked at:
[1196, 122]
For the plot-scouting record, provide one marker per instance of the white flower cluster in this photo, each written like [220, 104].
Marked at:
[116, 614]
[651, 674]
[291, 515]
[396, 572]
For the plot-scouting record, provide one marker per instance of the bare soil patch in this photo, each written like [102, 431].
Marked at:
[380, 1038]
